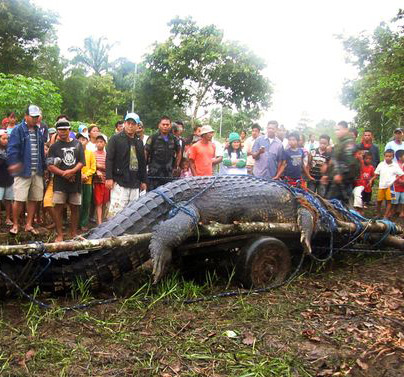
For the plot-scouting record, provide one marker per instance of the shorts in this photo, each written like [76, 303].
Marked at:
[101, 194]
[73, 198]
[120, 198]
[48, 198]
[383, 194]
[357, 196]
[399, 198]
[30, 188]
[7, 193]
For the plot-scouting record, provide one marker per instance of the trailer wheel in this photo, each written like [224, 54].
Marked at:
[262, 262]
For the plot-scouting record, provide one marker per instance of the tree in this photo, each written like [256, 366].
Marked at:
[101, 100]
[17, 92]
[226, 120]
[94, 56]
[24, 32]
[378, 94]
[200, 69]
[73, 91]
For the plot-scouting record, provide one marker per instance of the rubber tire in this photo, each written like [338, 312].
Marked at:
[262, 262]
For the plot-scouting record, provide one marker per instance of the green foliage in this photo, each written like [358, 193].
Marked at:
[196, 67]
[378, 93]
[25, 30]
[93, 57]
[17, 92]
[232, 121]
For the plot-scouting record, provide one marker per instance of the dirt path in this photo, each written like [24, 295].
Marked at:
[347, 320]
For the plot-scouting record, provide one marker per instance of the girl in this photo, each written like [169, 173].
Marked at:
[234, 159]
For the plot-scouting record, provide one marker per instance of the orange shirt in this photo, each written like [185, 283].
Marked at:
[202, 154]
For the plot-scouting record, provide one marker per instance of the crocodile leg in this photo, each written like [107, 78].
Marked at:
[169, 234]
[305, 222]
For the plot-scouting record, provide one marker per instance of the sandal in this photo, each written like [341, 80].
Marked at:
[9, 223]
[33, 231]
[13, 231]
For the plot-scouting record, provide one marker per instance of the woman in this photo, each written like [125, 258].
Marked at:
[234, 159]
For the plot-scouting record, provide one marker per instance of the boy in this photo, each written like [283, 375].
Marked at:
[361, 185]
[398, 202]
[318, 160]
[6, 180]
[367, 173]
[101, 193]
[293, 164]
[388, 172]
[86, 182]
[67, 179]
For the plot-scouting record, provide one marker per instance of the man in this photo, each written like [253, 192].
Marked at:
[255, 133]
[202, 154]
[26, 160]
[67, 177]
[267, 152]
[178, 129]
[344, 167]
[367, 145]
[140, 133]
[162, 149]
[125, 166]
[311, 144]
[118, 126]
[397, 143]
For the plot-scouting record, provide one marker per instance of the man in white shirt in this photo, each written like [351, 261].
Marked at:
[248, 144]
[396, 144]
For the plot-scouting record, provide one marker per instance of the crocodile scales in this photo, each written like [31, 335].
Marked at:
[225, 199]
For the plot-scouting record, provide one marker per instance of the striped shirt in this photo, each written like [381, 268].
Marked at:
[34, 150]
[100, 158]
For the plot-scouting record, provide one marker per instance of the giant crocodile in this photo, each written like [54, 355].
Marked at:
[223, 199]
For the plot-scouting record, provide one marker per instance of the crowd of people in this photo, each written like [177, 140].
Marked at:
[45, 170]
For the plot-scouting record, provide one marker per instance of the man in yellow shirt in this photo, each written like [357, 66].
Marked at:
[87, 173]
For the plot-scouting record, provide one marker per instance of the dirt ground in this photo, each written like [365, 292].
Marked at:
[343, 319]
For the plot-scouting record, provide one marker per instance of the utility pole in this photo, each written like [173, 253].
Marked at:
[134, 86]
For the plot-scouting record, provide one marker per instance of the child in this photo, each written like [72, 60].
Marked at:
[398, 202]
[318, 159]
[6, 180]
[388, 172]
[293, 164]
[101, 193]
[185, 168]
[362, 183]
[87, 173]
[48, 207]
[367, 173]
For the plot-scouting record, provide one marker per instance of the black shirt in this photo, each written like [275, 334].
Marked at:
[318, 159]
[6, 180]
[71, 153]
[162, 151]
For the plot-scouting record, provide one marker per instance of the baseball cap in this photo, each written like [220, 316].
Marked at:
[5, 121]
[82, 127]
[234, 136]
[62, 124]
[398, 130]
[3, 132]
[33, 111]
[206, 130]
[101, 136]
[52, 130]
[132, 116]
[82, 135]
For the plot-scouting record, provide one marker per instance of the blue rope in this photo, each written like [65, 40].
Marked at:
[391, 229]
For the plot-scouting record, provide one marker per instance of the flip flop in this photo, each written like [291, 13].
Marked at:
[33, 231]
[13, 231]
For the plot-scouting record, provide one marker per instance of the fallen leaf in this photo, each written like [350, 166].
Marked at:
[230, 334]
[29, 355]
[362, 364]
[249, 339]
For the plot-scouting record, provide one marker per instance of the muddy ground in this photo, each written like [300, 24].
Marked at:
[342, 319]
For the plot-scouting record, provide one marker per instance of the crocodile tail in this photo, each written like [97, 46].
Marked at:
[306, 223]
[169, 234]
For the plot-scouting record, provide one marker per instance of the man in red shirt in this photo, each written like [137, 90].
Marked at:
[202, 154]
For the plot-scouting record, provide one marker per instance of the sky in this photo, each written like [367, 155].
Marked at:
[305, 62]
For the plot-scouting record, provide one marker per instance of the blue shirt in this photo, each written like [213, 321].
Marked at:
[266, 165]
[294, 162]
